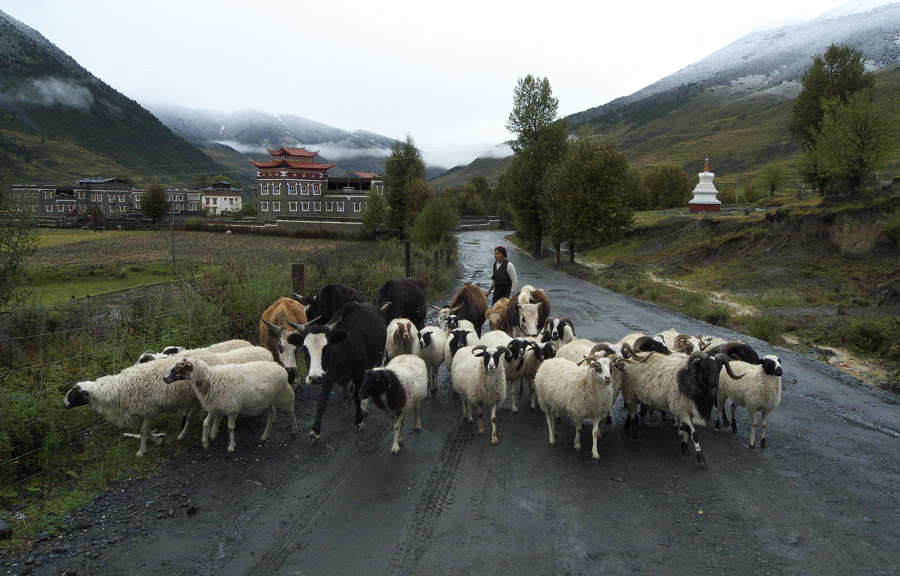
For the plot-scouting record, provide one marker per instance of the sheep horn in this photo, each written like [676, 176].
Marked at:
[682, 343]
[275, 330]
[480, 348]
[627, 348]
[728, 348]
[724, 360]
[603, 346]
[704, 343]
[566, 320]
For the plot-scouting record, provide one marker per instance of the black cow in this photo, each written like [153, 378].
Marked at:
[408, 299]
[340, 353]
[328, 300]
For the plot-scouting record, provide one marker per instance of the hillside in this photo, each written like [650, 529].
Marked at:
[486, 167]
[59, 123]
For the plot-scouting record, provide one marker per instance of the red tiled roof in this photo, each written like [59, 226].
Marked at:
[291, 164]
[363, 174]
[303, 152]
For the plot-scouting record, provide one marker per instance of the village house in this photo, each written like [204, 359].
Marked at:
[221, 198]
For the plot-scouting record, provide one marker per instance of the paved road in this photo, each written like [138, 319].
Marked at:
[821, 499]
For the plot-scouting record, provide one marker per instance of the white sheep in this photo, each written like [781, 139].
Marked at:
[396, 389]
[579, 390]
[431, 349]
[576, 350]
[457, 339]
[685, 387]
[134, 397]
[218, 347]
[479, 377]
[515, 366]
[402, 338]
[759, 390]
[237, 389]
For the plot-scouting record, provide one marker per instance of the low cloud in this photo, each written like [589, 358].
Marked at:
[52, 92]
[243, 148]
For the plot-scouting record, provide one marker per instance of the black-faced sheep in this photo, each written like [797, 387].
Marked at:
[759, 390]
[397, 389]
[431, 349]
[236, 389]
[559, 331]
[457, 339]
[685, 387]
[479, 377]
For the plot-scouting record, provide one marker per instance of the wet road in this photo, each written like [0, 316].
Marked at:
[821, 499]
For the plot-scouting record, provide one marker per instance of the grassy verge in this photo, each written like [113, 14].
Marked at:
[789, 277]
[53, 460]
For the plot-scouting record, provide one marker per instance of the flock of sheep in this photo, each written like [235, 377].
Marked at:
[384, 353]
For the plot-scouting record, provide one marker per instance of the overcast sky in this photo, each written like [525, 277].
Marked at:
[442, 72]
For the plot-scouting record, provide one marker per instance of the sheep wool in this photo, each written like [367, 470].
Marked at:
[758, 391]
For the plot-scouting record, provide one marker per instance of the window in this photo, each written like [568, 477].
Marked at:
[266, 189]
[329, 206]
[277, 189]
[137, 198]
[357, 206]
[263, 206]
[304, 188]
[292, 206]
[317, 206]
[81, 195]
[121, 197]
[122, 208]
[111, 197]
[304, 206]
[47, 194]
[60, 208]
[316, 190]
[340, 206]
[276, 206]
[292, 188]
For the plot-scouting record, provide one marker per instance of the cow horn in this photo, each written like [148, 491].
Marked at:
[333, 325]
[276, 330]
[301, 327]
[434, 307]
[385, 306]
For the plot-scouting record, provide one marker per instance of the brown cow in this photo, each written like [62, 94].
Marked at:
[469, 303]
[274, 331]
[497, 314]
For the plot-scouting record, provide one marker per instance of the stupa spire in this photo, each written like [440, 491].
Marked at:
[706, 166]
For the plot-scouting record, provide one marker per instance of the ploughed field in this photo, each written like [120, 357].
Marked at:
[821, 498]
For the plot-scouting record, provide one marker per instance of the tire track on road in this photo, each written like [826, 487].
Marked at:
[431, 503]
[297, 529]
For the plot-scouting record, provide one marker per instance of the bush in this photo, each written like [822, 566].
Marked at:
[891, 227]
[769, 328]
[195, 224]
[727, 195]
[434, 222]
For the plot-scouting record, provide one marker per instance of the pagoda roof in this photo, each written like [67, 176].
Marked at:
[291, 164]
[301, 152]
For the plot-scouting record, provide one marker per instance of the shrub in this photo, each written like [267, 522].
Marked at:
[195, 224]
[726, 195]
[767, 327]
[435, 222]
[891, 227]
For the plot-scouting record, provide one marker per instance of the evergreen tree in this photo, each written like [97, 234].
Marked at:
[153, 202]
[404, 174]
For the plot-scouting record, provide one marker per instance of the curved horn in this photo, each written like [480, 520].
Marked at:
[333, 325]
[704, 344]
[730, 347]
[454, 310]
[566, 320]
[276, 330]
[300, 327]
[627, 348]
[603, 346]
[480, 348]
[682, 343]
[724, 360]
[505, 350]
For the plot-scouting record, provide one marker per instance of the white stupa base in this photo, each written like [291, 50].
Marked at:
[705, 195]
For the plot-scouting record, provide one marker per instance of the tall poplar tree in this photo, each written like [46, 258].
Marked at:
[404, 182]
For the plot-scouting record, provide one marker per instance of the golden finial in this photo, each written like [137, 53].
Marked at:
[706, 166]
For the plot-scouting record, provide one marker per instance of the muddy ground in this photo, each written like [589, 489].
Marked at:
[821, 499]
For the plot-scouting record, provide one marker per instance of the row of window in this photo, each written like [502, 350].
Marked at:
[305, 206]
[305, 188]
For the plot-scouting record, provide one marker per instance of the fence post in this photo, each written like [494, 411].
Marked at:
[298, 277]
[406, 260]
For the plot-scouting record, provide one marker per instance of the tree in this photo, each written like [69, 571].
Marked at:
[773, 177]
[585, 197]
[540, 143]
[837, 74]
[437, 219]
[668, 187]
[18, 240]
[856, 137]
[153, 202]
[404, 167]
[376, 210]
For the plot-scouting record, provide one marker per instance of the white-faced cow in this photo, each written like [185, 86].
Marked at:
[408, 299]
[526, 312]
[340, 353]
[274, 329]
[328, 300]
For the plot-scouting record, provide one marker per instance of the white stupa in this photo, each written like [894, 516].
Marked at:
[705, 193]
